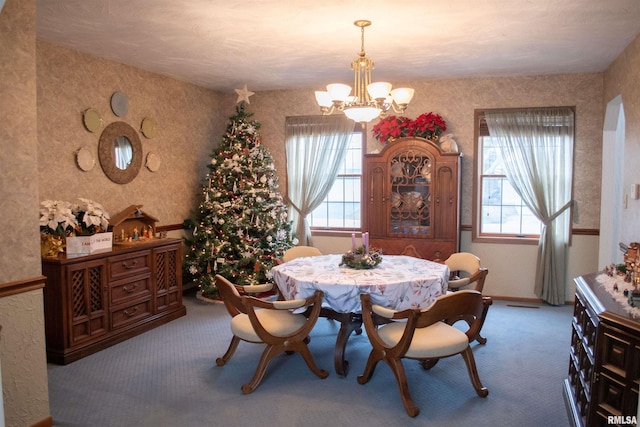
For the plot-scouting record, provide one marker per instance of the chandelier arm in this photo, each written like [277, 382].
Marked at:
[399, 109]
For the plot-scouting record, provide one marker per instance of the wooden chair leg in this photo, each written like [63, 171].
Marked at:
[486, 302]
[398, 371]
[269, 353]
[220, 361]
[308, 358]
[470, 361]
[374, 357]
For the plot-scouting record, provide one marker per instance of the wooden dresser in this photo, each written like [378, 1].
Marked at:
[92, 302]
[412, 199]
[604, 362]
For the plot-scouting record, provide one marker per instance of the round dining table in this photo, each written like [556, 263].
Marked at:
[399, 282]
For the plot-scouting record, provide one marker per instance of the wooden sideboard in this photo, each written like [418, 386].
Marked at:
[92, 302]
[412, 199]
[604, 362]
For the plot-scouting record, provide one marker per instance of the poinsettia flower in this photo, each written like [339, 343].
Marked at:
[56, 217]
[92, 216]
[426, 125]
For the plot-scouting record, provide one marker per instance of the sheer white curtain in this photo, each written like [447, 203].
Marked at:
[537, 150]
[316, 147]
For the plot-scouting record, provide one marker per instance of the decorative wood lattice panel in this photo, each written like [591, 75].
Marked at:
[172, 274]
[92, 279]
[95, 289]
[161, 274]
[77, 292]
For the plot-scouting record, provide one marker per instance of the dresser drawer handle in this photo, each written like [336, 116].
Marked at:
[130, 266]
[131, 312]
[131, 289]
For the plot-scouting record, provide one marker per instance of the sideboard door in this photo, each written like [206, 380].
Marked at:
[86, 306]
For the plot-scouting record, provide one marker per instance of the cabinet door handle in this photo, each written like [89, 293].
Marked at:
[131, 289]
[130, 266]
[131, 312]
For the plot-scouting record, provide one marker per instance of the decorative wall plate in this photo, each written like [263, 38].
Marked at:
[119, 104]
[148, 127]
[92, 120]
[85, 159]
[153, 162]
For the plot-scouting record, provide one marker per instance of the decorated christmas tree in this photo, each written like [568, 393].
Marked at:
[240, 227]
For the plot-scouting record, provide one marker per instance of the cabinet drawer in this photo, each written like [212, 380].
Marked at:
[129, 289]
[129, 264]
[130, 314]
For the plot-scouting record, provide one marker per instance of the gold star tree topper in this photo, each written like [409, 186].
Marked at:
[244, 94]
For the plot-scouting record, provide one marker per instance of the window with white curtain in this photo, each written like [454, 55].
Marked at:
[499, 211]
[341, 209]
[502, 211]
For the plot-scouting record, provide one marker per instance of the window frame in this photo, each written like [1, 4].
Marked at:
[480, 130]
[346, 231]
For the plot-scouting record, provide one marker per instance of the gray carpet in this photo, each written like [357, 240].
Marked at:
[168, 377]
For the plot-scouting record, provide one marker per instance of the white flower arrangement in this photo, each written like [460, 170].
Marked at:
[84, 217]
[92, 216]
[57, 217]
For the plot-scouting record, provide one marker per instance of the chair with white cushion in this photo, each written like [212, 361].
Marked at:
[272, 323]
[466, 272]
[422, 335]
[299, 252]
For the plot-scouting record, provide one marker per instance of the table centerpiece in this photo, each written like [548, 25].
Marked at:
[361, 257]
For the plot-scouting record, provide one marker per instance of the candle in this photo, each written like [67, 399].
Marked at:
[366, 242]
[353, 240]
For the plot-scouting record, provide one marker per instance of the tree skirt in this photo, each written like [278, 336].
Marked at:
[201, 297]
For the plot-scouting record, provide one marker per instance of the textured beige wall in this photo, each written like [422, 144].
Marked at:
[190, 122]
[621, 78]
[455, 100]
[22, 349]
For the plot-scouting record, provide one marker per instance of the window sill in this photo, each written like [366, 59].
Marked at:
[526, 240]
[326, 232]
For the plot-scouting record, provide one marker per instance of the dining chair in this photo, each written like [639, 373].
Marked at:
[272, 323]
[299, 252]
[422, 335]
[466, 271]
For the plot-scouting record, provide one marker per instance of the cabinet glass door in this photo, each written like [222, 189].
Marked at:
[410, 207]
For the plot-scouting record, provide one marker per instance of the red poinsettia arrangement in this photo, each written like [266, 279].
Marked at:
[426, 125]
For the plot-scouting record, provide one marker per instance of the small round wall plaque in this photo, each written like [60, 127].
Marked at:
[85, 159]
[119, 104]
[153, 162]
[92, 120]
[148, 127]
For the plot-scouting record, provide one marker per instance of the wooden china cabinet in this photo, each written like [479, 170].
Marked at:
[97, 300]
[411, 199]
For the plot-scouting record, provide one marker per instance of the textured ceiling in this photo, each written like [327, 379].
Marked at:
[278, 44]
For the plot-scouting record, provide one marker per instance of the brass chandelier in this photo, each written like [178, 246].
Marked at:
[369, 100]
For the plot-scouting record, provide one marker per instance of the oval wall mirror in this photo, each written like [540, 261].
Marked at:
[120, 152]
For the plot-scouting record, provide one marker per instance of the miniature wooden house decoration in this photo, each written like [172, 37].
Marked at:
[133, 225]
[632, 264]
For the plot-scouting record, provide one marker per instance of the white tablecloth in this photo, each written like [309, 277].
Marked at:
[398, 282]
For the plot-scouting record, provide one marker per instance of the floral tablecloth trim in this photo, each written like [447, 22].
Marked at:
[608, 282]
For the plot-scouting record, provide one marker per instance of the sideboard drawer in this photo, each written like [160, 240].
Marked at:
[129, 264]
[130, 314]
[130, 289]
